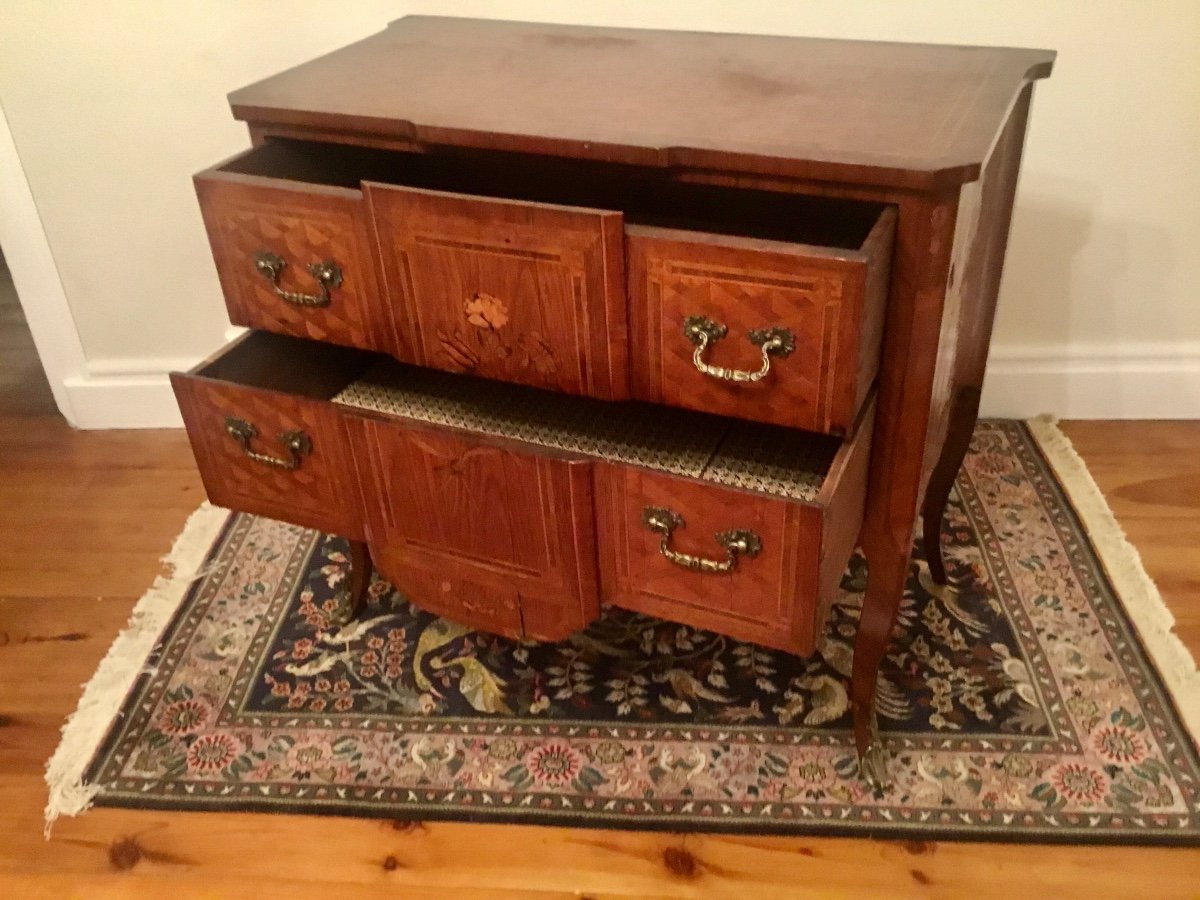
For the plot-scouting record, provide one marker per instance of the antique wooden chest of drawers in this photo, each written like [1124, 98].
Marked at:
[545, 317]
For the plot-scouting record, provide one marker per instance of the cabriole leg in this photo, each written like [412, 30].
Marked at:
[963, 414]
[887, 571]
[354, 590]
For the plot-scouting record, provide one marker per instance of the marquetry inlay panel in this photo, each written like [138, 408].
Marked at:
[302, 227]
[519, 292]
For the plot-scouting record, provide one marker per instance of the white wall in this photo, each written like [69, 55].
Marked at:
[113, 105]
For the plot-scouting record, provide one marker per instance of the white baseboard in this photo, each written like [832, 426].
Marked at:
[1140, 382]
[123, 401]
[130, 393]
[35, 276]
[1131, 381]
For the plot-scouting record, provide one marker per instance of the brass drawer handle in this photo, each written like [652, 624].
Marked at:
[297, 443]
[737, 543]
[327, 275]
[703, 331]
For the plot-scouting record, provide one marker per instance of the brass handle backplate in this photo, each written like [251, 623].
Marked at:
[297, 443]
[327, 274]
[703, 331]
[737, 543]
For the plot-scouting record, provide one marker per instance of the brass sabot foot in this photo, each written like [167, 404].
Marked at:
[872, 762]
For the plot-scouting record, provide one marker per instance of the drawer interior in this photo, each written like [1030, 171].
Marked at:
[766, 459]
[275, 362]
[646, 195]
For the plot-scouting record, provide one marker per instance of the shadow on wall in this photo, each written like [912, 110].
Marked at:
[1061, 246]
[1075, 285]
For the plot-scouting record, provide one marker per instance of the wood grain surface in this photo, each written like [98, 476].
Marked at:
[85, 517]
[523, 292]
[245, 216]
[480, 531]
[902, 115]
[818, 295]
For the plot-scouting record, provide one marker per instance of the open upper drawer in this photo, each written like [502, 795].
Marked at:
[514, 268]
[759, 329]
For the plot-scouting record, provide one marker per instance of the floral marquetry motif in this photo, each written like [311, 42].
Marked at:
[543, 294]
[491, 351]
[486, 311]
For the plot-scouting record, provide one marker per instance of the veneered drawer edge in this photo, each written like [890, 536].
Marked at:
[878, 249]
[843, 500]
[224, 172]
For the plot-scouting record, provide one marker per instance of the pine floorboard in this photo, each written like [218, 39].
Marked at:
[84, 519]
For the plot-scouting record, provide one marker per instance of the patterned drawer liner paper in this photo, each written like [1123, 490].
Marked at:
[773, 460]
[765, 458]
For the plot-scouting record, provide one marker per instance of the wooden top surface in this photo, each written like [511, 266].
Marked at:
[904, 115]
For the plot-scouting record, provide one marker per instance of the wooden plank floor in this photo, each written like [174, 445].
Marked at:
[23, 386]
[84, 518]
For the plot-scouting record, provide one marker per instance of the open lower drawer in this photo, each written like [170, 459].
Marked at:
[482, 493]
[518, 510]
[753, 547]
[266, 438]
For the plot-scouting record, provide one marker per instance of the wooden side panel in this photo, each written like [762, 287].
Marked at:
[768, 599]
[981, 271]
[319, 493]
[245, 215]
[479, 532]
[520, 292]
[747, 285]
[973, 287]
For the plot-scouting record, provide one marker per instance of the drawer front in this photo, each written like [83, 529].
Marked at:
[296, 260]
[515, 291]
[479, 532]
[271, 454]
[767, 598]
[754, 329]
[451, 591]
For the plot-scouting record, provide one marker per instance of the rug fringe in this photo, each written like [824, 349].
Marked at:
[103, 695]
[1136, 590]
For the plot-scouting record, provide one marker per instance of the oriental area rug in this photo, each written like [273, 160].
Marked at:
[1045, 699]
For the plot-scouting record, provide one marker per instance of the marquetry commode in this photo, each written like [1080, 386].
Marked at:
[550, 316]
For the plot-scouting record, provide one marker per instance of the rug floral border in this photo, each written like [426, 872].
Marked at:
[758, 817]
